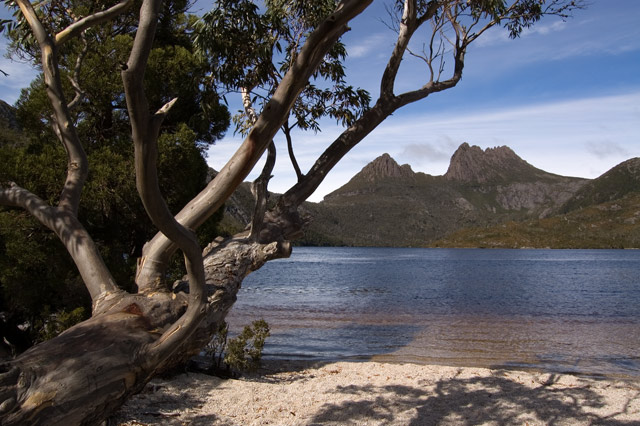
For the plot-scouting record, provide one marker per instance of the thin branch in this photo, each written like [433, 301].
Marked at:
[286, 129]
[73, 235]
[77, 166]
[63, 218]
[252, 116]
[75, 80]
[164, 110]
[260, 191]
[407, 26]
[260, 186]
[91, 20]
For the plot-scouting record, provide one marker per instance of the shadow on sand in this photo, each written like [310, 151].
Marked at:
[470, 401]
[503, 398]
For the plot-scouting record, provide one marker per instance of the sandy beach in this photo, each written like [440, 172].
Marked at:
[373, 393]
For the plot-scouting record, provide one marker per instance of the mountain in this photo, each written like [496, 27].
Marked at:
[471, 164]
[387, 204]
[604, 213]
[614, 184]
[487, 198]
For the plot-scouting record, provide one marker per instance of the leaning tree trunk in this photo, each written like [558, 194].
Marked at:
[87, 372]
[83, 375]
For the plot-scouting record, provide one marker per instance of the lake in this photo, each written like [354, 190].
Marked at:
[556, 310]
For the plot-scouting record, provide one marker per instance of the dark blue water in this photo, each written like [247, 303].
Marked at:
[558, 310]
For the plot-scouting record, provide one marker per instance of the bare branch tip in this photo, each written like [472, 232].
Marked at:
[166, 107]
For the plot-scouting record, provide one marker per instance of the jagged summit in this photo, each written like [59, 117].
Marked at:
[472, 164]
[383, 167]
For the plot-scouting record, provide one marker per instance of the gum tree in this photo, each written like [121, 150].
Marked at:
[38, 282]
[87, 372]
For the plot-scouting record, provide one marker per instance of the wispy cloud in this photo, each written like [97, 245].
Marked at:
[371, 45]
[606, 149]
[581, 36]
[422, 155]
[500, 35]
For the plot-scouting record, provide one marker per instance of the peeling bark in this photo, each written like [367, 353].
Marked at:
[87, 372]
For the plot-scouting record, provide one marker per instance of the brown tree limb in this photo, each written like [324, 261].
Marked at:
[75, 79]
[77, 166]
[260, 190]
[286, 129]
[145, 131]
[63, 219]
[386, 104]
[159, 249]
[260, 186]
[91, 20]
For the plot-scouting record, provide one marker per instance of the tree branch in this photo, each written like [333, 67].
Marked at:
[75, 80]
[260, 186]
[145, 131]
[286, 129]
[408, 24]
[386, 104]
[159, 249]
[91, 20]
[73, 235]
[77, 166]
[260, 191]
[63, 219]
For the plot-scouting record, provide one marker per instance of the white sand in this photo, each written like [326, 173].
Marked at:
[372, 393]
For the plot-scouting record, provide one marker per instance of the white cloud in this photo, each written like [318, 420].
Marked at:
[606, 149]
[591, 33]
[499, 35]
[373, 44]
[544, 29]
[418, 153]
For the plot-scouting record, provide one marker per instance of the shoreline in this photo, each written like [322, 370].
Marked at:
[372, 393]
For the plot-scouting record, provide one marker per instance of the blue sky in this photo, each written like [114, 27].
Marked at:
[565, 97]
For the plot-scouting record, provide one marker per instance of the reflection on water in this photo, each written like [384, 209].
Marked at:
[561, 310]
[551, 344]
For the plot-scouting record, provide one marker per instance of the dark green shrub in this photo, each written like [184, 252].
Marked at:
[242, 353]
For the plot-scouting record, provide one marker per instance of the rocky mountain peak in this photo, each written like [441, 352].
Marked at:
[472, 164]
[383, 167]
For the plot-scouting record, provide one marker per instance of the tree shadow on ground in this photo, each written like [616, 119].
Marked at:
[163, 402]
[470, 401]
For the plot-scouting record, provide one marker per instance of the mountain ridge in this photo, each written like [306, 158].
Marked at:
[604, 213]
[390, 205]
